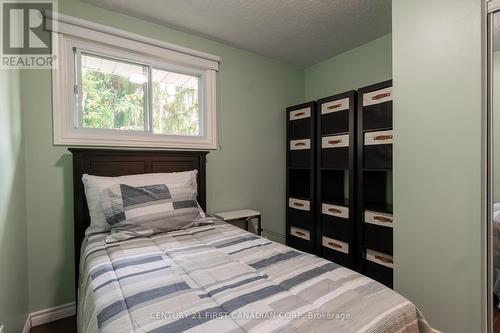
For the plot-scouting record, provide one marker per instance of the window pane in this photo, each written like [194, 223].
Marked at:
[113, 93]
[175, 103]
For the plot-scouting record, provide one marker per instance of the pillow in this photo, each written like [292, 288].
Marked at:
[95, 185]
[133, 211]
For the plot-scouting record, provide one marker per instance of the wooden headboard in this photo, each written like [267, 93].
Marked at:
[112, 163]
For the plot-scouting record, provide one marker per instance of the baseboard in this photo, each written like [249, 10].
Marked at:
[27, 324]
[52, 314]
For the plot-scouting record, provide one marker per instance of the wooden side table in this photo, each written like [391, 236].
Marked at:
[242, 215]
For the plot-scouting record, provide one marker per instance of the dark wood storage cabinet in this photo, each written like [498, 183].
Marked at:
[336, 153]
[300, 174]
[339, 179]
[374, 182]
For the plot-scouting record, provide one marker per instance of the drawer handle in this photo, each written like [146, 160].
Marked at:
[380, 96]
[335, 142]
[383, 137]
[335, 245]
[299, 144]
[384, 259]
[382, 219]
[334, 210]
[299, 114]
[300, 233]
[334, 106]
[298, 204]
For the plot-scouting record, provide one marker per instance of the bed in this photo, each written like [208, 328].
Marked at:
[215, 278]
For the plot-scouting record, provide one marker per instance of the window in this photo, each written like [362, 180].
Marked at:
[106, 94]
[175, 103]
[112, 94]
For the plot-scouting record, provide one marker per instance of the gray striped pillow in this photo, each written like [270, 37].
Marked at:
[145, 210]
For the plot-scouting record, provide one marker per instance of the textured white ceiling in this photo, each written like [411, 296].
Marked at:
[301, 32]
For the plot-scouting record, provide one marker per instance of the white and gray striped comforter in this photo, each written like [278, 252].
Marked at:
[219, 278]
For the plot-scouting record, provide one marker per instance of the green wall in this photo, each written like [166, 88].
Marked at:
[364, 65]
[247, 171]
[13, 247]
[437, 159]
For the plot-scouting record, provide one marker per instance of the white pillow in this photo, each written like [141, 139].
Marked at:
[95, 185]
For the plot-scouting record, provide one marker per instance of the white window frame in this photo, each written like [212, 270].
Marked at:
[126, 47]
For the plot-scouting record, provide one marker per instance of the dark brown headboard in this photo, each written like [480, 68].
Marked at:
[112, 163]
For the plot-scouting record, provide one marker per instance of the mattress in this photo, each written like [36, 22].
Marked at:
[219, 278]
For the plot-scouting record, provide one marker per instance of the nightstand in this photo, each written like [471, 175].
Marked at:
[242, 215]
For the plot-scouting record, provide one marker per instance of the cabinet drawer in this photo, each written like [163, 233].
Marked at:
[377, 109]
[335, 122]
[379, 138]
[335, 106]
[300, 114]
[334, 210]
[335, 244]
[298, 204]
[381, 219]
[378, 150]
[379, 258]
[335, 222]
[377, 96]
[335, 116]
[299, 124]
[335, 151]
[300, 144]
[300, 153]
[335, 141]
[301, 233]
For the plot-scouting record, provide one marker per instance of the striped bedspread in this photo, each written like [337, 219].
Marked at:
[219, 278]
